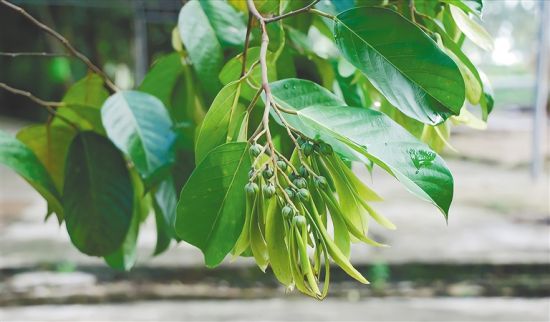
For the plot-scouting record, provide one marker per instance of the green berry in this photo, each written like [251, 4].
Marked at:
[251, 188]
[269, 190]
[293, 176]
[268, 172]
[300, 182]
[256, 149]
[287, 211]
[303, 171]
[307, 149]
[303, 194]
[320, 182]
[325, 149]
[282, 165]
[299, 221]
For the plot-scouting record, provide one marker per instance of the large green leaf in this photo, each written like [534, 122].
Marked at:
[161, 79]
[83, 101]
[391, 147]
[97, 195]
[211, 209]
[226, 22]
[18, 157]
[214, 129]
[50, 143]
[298, 94]
[204, 49]
[139, 125]
[402, 62]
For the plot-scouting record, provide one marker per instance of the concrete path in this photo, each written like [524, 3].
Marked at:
[385, 309]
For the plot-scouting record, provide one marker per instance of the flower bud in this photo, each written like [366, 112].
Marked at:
[282, 165]
[287, 211]
[320, 182]
[307, 149]
[268, 172]
[325, 149]
[303, 194]
[303, 171]
[269, 190]
[290, 192]
[251, 188]
[300, 182]
[256, 149]
[299, 221]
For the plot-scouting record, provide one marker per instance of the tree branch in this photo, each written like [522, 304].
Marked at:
[48, 105]
[292, 13]
[63, 41]
[246, 43]
[43, 54]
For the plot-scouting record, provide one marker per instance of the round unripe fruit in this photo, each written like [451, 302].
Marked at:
[282, 165]
[303, 171]
[269, 190]
[299, 220]
[303, 194]
[268, 172]
[307, 148]
[300, 182]
[325, 149]
[251, 188]
[256, 149]
[287, 212]
[293, 176]
[320, 182]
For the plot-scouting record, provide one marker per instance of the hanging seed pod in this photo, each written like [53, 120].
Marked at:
[256, 149]
[251, 188]
[300, 182]
[299, 220]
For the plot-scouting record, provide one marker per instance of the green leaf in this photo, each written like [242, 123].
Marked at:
[276, 245]
[18, 157]
[402, 62]
[228, 24]
[388, 145]
[215, 126]
[50, 144]
[125, 257]
[165, 200]
[162, 78]
[139, 125]
[470, 6]
[211, 208]
[474, 31]
[97, 195]
[199, 38]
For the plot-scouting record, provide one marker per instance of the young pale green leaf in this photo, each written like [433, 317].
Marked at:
[161, 79]
[18, 157]
[228, 23]
[210, 211]
[50, 143]
[474, 31]
[139, 125]
[277, 248]
[215, 126]
[402, 62]
[202, 45]
[469, 6]
[388, 145]
[97, 195]
[165, 200]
